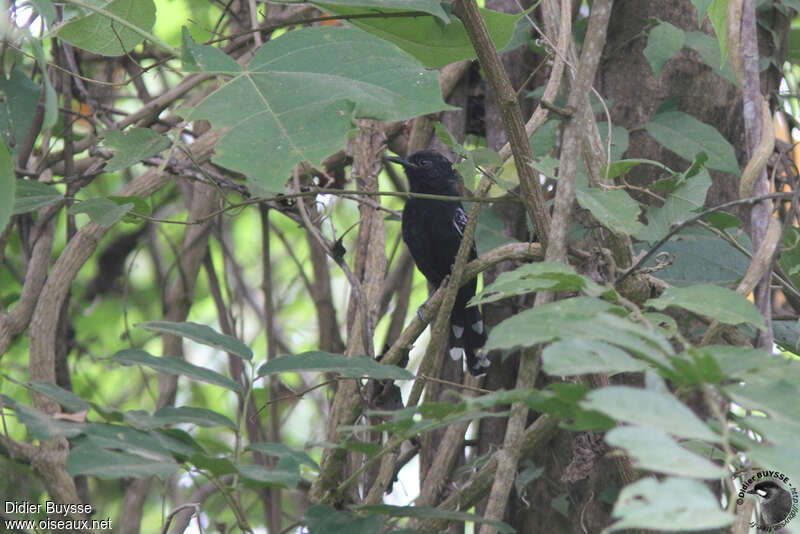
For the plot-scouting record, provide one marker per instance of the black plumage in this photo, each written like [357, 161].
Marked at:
[776, 502]
[432, 229]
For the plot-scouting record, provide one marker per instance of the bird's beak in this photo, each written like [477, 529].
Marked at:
[404, 162]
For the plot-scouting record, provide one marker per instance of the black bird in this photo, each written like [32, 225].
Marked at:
[432, 229]
[776, 502]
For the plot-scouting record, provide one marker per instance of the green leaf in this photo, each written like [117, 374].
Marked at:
[203, 58]
[354, 366]
[201, 334]
[101, 30]
[432, 43]
[538, 276]
[280, 450]
[674, 504]
[17, 109]
[277, 477]
[572, 357]
[648, 408]
[719, 303]
[7, 186]
[432, 7]
[46, 10]
[50, 99]
[32, 195]
[321, 518]
[654, 450]
[784, 458]
[132, 146]
[298, 98]
[102, 211]
[701, 6]
[621, 167]
[213, 464]
[106, 464]
[65, 398]
[39, 424]
[195, 416]
[679, 206]
[614, 209]
[175, 366]
[708, 48]
[663, 42]
[686, 136]
[433, 513]
[490, 232]
[718, 15]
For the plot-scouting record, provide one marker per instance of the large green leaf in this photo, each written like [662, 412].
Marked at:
[132, 146]
[663, 42]
[674, 504]
[201, 334]
[648, 408]
[572, 357]
[614, 209]
[195, 416]
[175, 366]
[284, 475]
[433, 7]
[108, 27]
[354, 366]
[39, 424]
[298, 98]
[17, 108]
[686, 136]
[654, 450]
[719, 303]
[280, 450]
[433, 43]
[678, 206]
[7, 186]
[102, 211]
[32, 195]
[107, 464]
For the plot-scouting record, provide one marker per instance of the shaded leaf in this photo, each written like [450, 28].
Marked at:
[572, 357]
[175, 366]
[17, 109]
[39, 424]
[648, 408]
[7, 186]
[132, 146]
[321, 518]
[277, 477]
[678, 206]
[106, 464]
[195, 416]
[203, 58]
[96, 30]
[686, 136]
[674, 504]
[201, 334]
[354, 366]
[280, 450]
[654, 450]
[719, 303]
[65, 398]
[297, 99]
[433, 513]
[663, 42]
[614, 209]
[102, 211]
[32, 195]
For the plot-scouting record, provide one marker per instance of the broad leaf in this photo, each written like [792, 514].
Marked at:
[719, 303]
[175, 366]
[280, 450]
[433, 513]
[32, 195]
[354, 366]
[654, 450]
[17, 109]
[65, 398]
[432, 7]
[324, 518]
[132, 146]
[614, 209]
[280, 476]
[107, 464]
[297, 99]
[203, 58]
[674, 504]
[196, 416]
[679, 205]
[686, 136]
[433, 43]
[102, 211]
[109, 27]
[648, 408]
[663, 42]
[39, 424]
[572, 357]
[201, 334]
[7, 186]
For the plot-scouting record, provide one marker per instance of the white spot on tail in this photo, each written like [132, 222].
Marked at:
[458, 331]
[478, 326]
[456, 353]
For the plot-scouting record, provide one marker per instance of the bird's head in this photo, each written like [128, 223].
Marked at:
[429, 172]
[766, 490]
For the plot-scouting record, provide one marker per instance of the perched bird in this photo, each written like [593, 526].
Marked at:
[776, 502]
[432, 229]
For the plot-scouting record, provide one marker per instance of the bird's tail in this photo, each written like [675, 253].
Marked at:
[467, 336]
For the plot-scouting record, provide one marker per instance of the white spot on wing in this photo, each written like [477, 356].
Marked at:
[458, 331]
[456, 353]
[478, 327]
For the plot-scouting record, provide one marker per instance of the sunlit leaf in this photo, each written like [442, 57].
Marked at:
[719, 303]
[99, 29]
